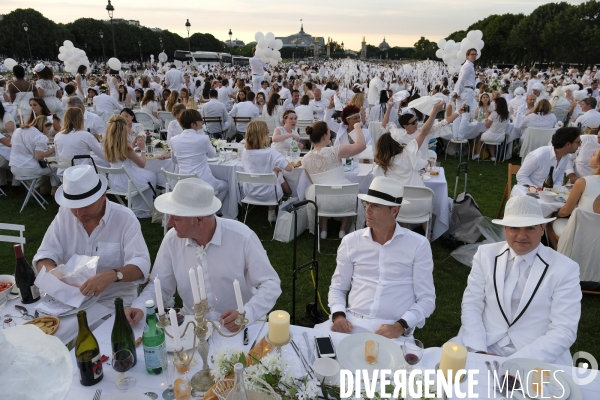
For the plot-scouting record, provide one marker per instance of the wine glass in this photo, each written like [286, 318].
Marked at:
[169, 393]
[122, 362]
[413, 352]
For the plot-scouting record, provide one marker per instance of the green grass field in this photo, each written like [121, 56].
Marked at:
[485, 182]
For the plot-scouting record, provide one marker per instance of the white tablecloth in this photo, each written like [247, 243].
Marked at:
[547, 207]
[157, 384]
[226, 171]
[68, 327]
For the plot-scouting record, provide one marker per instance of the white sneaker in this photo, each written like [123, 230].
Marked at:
[272, 217]
[323, 234]
[342, 234]
[492, 158]
[475, 157]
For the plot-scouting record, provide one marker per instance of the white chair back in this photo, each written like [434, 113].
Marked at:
[102, 114]
[419, 209]
[13, 239]
[146, 120]
[376, 130]
[165, 117]
[256, 179]
[301, 125]
[560, 114]
[323, 192]
[534, 138]
[132, 187]
[432, 154]
[270, 121]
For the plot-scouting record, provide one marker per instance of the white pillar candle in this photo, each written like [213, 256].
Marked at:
[279, 327]
[175, 329]
[194, 284]
[159, 299]
[201, 283]
[238, 296]
[454, 357]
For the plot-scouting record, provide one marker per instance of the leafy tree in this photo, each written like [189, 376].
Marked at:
[424, 48]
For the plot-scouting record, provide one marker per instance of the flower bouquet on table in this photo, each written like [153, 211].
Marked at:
[218, 144]
[495, 85]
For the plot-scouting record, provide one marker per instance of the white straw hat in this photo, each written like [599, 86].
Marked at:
[522, 211]
[81, 187]
[385, 191]
[191, 198]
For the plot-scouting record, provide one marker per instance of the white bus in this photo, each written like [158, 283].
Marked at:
[242, 61]
[198, 57]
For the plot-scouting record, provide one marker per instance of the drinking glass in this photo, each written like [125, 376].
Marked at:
[431, 163]
[511, 375]
[182, 388]
[169, 393]
[122, 362]
[413, 352]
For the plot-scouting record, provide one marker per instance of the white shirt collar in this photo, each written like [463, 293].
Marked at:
[398, 231]
[529, 257]
[216, 238]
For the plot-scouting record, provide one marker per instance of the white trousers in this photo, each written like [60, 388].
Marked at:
[256, 83]
[459, 127]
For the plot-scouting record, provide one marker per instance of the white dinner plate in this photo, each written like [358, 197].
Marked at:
[351, 353]
[127, 396]
[188, 340]
[84, 306]
[572, 391]
[213, 159]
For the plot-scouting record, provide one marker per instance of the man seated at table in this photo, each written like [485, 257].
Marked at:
[590, 117]
[214, 108]
[89, 224]
[552, 159]
[386, 269]
[230, 251]
[522, 299]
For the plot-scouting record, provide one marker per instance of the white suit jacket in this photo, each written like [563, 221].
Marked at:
[545, 324]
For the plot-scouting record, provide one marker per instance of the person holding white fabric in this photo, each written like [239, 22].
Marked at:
[89, 224]
[465, 93]
[384, 271]
[224, 249]
[523, 299]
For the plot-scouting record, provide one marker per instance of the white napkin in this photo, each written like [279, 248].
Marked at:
[53, 307]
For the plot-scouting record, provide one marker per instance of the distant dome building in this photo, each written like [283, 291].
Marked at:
[301, 39]
[384, 45]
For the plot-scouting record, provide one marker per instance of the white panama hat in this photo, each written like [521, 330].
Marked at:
[522, 211]
[81, 187]
[385, 191]
[191, 198]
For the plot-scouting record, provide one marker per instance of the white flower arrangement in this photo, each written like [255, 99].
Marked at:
[224, 359]
[218, 143]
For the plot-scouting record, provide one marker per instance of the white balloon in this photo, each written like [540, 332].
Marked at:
[449, 44]
[258, 36]
[68, 53]
[268, 53]
[115, 64]
[441, 43]
[264, 59]
[479, 45]
[271, 43]
[461, 56]
[278, 44]
[471, 36]
[478, 55]
[68, 44]
[446, 58]
[62, 49]
[259, 52]
[439, 53]
[276, 54]
[262, 44]
[61, 57]
[269, 36]
[478, 35]
[9, 63]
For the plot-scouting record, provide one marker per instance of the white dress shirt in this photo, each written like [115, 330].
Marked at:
[244, 109]
[224, 94]
[173, 129]
[214, 108]
[117, 240]
[581, 158]
[466, 78]
[305, 113]
[319, 107]
[536, 167]
[257, 66]
[288, 105]
[234, 252]
[25, 142]
[391, 281]
[284, 93]
[76, 143]
[589, 118]
[536, 120]
[106, 103]
[174, 79]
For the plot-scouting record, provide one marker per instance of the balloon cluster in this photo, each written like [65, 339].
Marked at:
[455, 53]
[9, 63]
[267, 47]
[72, 57]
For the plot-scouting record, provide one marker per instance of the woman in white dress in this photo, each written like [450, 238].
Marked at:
[323, 165]
[20, 91]
[48, 89]
[174, 128]
[584, 194]
[119, 153]
[283, 135]
[273, 109]
[82, 83]
[540, 117]
[259, 158]
[124, 97]
[113, 84]
[134, 128]
[73, 140]
[496, 123]
[305, 111]
[150, 106]
[378, 111]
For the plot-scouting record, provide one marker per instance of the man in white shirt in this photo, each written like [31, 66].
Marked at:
[579, 164]
[214, 108]
[106, 103]
[319, 104]
[225, 249]
[590, 117]
[376, 85]
[464, 92]
[284, 92]
[524, 109]
[155, 85]
[550, 160]
[258, 69]
[224, 93]
[89, 224]
[523, 299]
[244, 109]
[293, 102]
[91, 122]
[384, 269]
[174, 78]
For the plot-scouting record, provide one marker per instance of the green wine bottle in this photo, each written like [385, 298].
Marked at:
[153, 340]
[87, 353]
[122, 335]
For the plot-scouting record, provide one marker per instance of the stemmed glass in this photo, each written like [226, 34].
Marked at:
[122, 362]
[413, 352]
[169, 393]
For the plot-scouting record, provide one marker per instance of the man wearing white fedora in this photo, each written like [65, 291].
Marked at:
[89, 224]
[226, 249]
[522, 299]
[386, 269]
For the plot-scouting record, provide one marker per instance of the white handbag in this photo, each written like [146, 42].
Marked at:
[284, 227]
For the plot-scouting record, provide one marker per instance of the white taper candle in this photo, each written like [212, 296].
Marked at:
[159, 299]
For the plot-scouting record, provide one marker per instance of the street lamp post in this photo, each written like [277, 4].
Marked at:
[110, 10]
[102, 39]
[188, 26]
[141, 56]
[343, 52]
[230, 34]
[26, 28]
[56, 44]
[161, 45]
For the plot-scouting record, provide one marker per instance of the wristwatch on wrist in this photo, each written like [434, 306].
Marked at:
[337, 314]
[119, 275]
[407, 329]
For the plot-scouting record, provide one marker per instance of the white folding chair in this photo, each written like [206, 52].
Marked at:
[419, 209]
[560, 114]
[146, 120]
[301, 125]
[165, 118]
[29, 181]
[132, 187]
[534, 138]
[497, 146]
[432, 154]
[13, 239]
[58, 162]
[270, 121]
[169, 176]
[324, 191]
[459, 142]
[376, 130]
[256, 179]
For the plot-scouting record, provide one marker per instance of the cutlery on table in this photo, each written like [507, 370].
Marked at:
[152, 395]
[309, 349]
[98, 394]
[24, 312]
[245, 336]
[258, 334]
[307, 367]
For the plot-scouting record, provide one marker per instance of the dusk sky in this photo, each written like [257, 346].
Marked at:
[402, 23]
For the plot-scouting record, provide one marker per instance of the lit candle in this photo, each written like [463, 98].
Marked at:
[201, 283]
[159, 299]
[175, 329]
[238, 296]
[454, 357]
[194, 283]
[279, 327]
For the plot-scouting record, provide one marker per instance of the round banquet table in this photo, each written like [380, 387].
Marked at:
[547, 207]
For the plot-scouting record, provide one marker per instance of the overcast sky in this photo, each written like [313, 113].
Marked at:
[401, 22]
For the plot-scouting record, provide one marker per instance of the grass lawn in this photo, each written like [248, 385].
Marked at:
[486, 183]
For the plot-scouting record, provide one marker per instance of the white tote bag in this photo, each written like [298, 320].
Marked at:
[284, 227]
